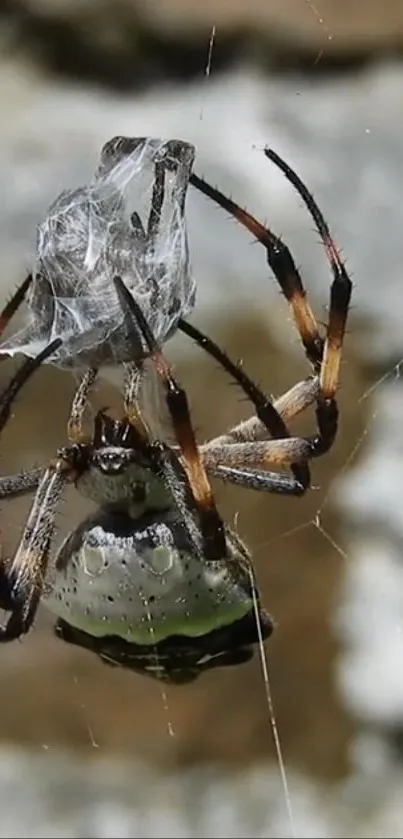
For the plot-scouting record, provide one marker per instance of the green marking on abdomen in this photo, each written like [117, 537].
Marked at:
[153, 631]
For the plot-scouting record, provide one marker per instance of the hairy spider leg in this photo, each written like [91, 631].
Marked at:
[289, 405]
[20, 578]
[328, 360]
[268, 415]
[324, 353]
[75, 431]
[74, 426]
[211, 525]
[28, 480]
[20, 378]
[232, 461]
[14, 303]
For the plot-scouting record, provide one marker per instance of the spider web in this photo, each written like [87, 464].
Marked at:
[100, 230]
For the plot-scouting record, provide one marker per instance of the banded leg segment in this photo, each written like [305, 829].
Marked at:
[292, 403]
[248, 464]
[341, 288]
[132, 383]
[20, 378]
[202, 495]
[15, 303]
[324, 352]
[283, 266]
[21, 484]
[265, 410]
[289, 279]
[226, 459]
[75, 432]
[22, 578]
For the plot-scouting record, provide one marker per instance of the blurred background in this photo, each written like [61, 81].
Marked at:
[91, 751]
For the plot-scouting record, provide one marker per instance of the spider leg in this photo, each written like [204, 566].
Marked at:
[328, 360]
[280, 452]
[133, 373]
[289, 405]
[265, 410]
[25, 481]
[305, 448]
[212, 528]
[324, 353]
[15, 303]
[138, 228]
[202, 535]
[22, 578]
[11, 485]
[278, 483]
[132, 384]
[20, 378]
[75, 432]
[284, 269]
[246, 464]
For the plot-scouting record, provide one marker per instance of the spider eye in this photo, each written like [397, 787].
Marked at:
[111, 462]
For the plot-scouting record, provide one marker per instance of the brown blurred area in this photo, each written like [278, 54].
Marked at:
[51, 694]
[127, 43]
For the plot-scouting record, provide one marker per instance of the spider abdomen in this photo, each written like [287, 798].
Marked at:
[138, 579]
[137, 582]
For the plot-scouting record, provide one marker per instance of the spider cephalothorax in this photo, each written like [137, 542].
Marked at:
[154, 580]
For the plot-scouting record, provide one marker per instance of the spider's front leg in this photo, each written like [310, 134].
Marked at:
[323, 351]
[22, 577]
[199, 512]
[24, 482]
[75, 431]
[14, 304]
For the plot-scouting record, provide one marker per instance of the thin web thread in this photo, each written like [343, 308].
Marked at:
[165, 704]
[272, 714]
[209, 64]
[322, 23]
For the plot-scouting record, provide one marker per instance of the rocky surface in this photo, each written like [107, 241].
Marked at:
[130, 42]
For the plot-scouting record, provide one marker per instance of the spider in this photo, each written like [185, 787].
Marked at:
[154, 580]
